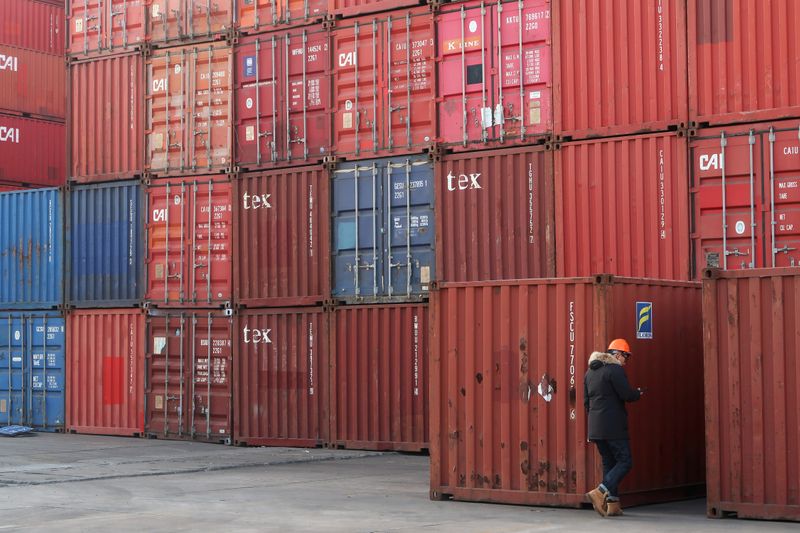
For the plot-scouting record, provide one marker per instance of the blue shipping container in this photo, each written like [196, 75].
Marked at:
[105, 243]
[31, 249]
[383, 229]
[32, 372]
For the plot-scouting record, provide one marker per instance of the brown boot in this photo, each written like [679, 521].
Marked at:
[614, 509]
[598, 499]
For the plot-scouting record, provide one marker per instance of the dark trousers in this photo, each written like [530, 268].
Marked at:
[617, 462]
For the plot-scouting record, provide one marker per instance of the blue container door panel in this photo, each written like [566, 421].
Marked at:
[12, 371]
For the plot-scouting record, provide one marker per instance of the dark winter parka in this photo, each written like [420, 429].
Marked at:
[605, 391]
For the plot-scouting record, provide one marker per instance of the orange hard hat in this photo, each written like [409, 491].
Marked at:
[619, 345]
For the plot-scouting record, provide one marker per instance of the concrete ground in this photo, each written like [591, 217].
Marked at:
[69, 483]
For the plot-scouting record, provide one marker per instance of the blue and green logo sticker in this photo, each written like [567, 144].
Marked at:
[644, 320]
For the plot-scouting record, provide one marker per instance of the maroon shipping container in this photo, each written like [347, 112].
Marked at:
[176, 22]
[508, 359]
[283, 238]
[106, 119]
[253, 16]
[283, 98]
[751, 321]
[189, 110]
[189, 242]
[101, 27]
[620, 67]
[379, 368]
[622, 207]
[189, 375]
[746, 196]
[494, 71]
[281, 377]
[744, 61]
[105, 371]
[352, 8]
[34, 83]
[33, 25]
[31, 151]
[495, 215]
[384, 86]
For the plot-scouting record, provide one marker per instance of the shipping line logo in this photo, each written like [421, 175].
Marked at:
[10, 135]
[463, 182]
[644, 320]
[256, 335]
[9, 63]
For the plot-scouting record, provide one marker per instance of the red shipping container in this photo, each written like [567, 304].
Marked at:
[620, 67]
[33, 25]
[495, 215]
[384, 85]
[176, 22]
[622, 207]
[353, 8]
[101, 27]
[31, 151]
[106, 119]
[105, 364]
[189, 110]
[34, 83]
[283, 98]
[189, 375]
[508, 423]
[744, 61]
[253, 16]
[379, 368]
[189, 242]
[484, 100]
[281, 376]
[750, 322]
[283, 238]
[746, 196]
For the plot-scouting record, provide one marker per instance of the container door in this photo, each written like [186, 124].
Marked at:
[87, 21]
[209, 133]
[782, 183]
[168, 242]
[167, 20]
[209, 253]
[167, 381]
[210, 367]
[13, 340]
[208, 17]
[167, 111]
[188, 20]
[46, 347]
[126, 19]
[257, 101]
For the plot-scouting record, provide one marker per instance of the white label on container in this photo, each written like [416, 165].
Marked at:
[250, 133]
[16, 359]
[473, 26]
[347, 120]
[177, 69]
[157, 141]
[486, 117]
[249, 103]
[535, 95]
[177, 200]
[425, 274]
[79, 25]
[348, 105]
[156, 11]
[158, 344]
[17, 335]
[740, 227]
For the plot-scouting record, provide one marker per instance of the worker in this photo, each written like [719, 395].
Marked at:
[605, 391]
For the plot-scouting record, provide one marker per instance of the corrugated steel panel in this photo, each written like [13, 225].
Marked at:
[508, 423]
[31, 151]
[352, 8]
[746, 196]
[189, 242]
[105, 233]
[176, 22]
[253, 16]
[495, 215]
[379, 396]
[31, 249]
[189, 368]
[283, 98]
[384, 84]
[751, 322]
[620, 67]
[189, 110]
[33, 25]
[32, 370]
[106, 119]
[744, 61]
[105, 358]
[622, 207]
[281, 377]
[33, 82]
[494, 73]
[101, 27]
[283, 238]
[383, 229]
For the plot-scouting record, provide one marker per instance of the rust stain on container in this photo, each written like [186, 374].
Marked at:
[508, 423]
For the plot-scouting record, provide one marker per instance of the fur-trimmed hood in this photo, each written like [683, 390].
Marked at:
[598, 359]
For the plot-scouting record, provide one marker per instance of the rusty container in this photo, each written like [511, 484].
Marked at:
[508, 424]
[254, 16]
[752, 375]
[33, 24]
[105, 371]
[105, 118]
[189, 110]
[622, 208]
[379, 386]
[282, 238]
[34, 83]
[102, 27]
[189, 368]
[744, 61]
[175, 22]
[31, 152]
[281, 377]
[495, 211]
[620, 67]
